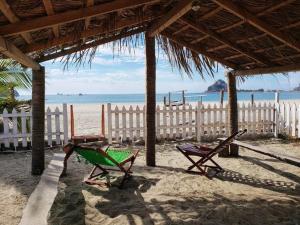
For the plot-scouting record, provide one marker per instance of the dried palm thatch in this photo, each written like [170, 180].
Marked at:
[232, 40]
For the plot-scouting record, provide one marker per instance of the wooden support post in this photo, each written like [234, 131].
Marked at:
[232, 115]
[150, 137]
[232, 111]
[38, 121]
[183, 98]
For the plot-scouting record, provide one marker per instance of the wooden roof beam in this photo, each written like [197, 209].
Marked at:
[70, 16]
[87, 21]
[49, 9]
[11, 51]
[222, 39]
[89, 45]
[269, 70]
[85, 34]
[291, 25]
[181, 8]
[12, 18]
[258, 23]
[198, 49]
[263, 12]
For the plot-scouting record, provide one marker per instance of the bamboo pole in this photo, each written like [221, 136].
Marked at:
[150, 136]
[38, 121]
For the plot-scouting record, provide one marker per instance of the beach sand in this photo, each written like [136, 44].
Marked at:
[254, 189]
[16, 185]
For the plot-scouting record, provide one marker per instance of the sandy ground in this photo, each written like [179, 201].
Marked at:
[16, 185]
[254, 189]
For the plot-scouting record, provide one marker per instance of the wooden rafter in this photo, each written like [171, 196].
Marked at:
[198, 49]
[258, 23]
[181, 8]
[71, 38]
[9, 14]
[89, 45]
[70, 16]
[202, 29]
[263, 12]
[10, 50]
[87, 21]
[256, 51]
[181, 29]
[276, 59]
[244, 40]
[269, 70]
[210, 14]
[50, 12]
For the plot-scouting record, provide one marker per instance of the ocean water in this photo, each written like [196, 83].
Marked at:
[140, 98]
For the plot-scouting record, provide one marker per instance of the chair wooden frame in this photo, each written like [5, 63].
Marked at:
[69, 149]
[206, 154]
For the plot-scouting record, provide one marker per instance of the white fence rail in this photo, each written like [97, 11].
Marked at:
[202, 121]
[17, 127]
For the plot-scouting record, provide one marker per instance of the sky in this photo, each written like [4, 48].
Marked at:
[122, 73]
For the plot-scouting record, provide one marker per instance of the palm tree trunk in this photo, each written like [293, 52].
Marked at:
[150, 136]
[232, 112]
[38, 121]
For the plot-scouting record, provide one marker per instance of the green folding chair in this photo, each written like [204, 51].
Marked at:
[105, 160]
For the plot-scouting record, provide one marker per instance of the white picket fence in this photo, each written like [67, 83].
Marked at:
[288, 120]
[56, 127]
[201, 121]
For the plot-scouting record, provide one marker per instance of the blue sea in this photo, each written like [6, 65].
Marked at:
[140, 98]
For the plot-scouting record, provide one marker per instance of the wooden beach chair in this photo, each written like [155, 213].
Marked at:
[206, 154]
[110, 159]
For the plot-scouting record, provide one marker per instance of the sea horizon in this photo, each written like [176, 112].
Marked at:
[140, 98]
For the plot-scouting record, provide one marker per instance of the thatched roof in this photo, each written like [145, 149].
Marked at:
[240, 34]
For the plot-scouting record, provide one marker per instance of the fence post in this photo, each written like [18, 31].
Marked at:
[57, 126]
[66, 122]
[109, 123]
[24, 127]
[298, 121]
[49, 126]
[198, 122]
[276, 115]
[14, 115]
[6, 128]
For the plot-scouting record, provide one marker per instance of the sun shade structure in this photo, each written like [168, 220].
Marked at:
[248, 37]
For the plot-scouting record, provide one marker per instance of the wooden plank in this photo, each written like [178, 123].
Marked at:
[285, 158]
[202, 29]
[130, 123]
[268, 70]
[138, 122]
[50, 11]
[9, 14]
[13, 52]
[74, 37]
[198, 49]
[70, 16]
[181, 8]
[258, 23]
[41, 200]
[87, 21]
[15, 127]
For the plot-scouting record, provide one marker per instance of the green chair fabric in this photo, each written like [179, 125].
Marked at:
[95, 157]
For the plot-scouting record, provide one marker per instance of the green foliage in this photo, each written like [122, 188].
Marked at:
[13, 76]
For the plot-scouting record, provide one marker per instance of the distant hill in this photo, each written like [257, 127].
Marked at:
[297, 88]
[217, 86]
